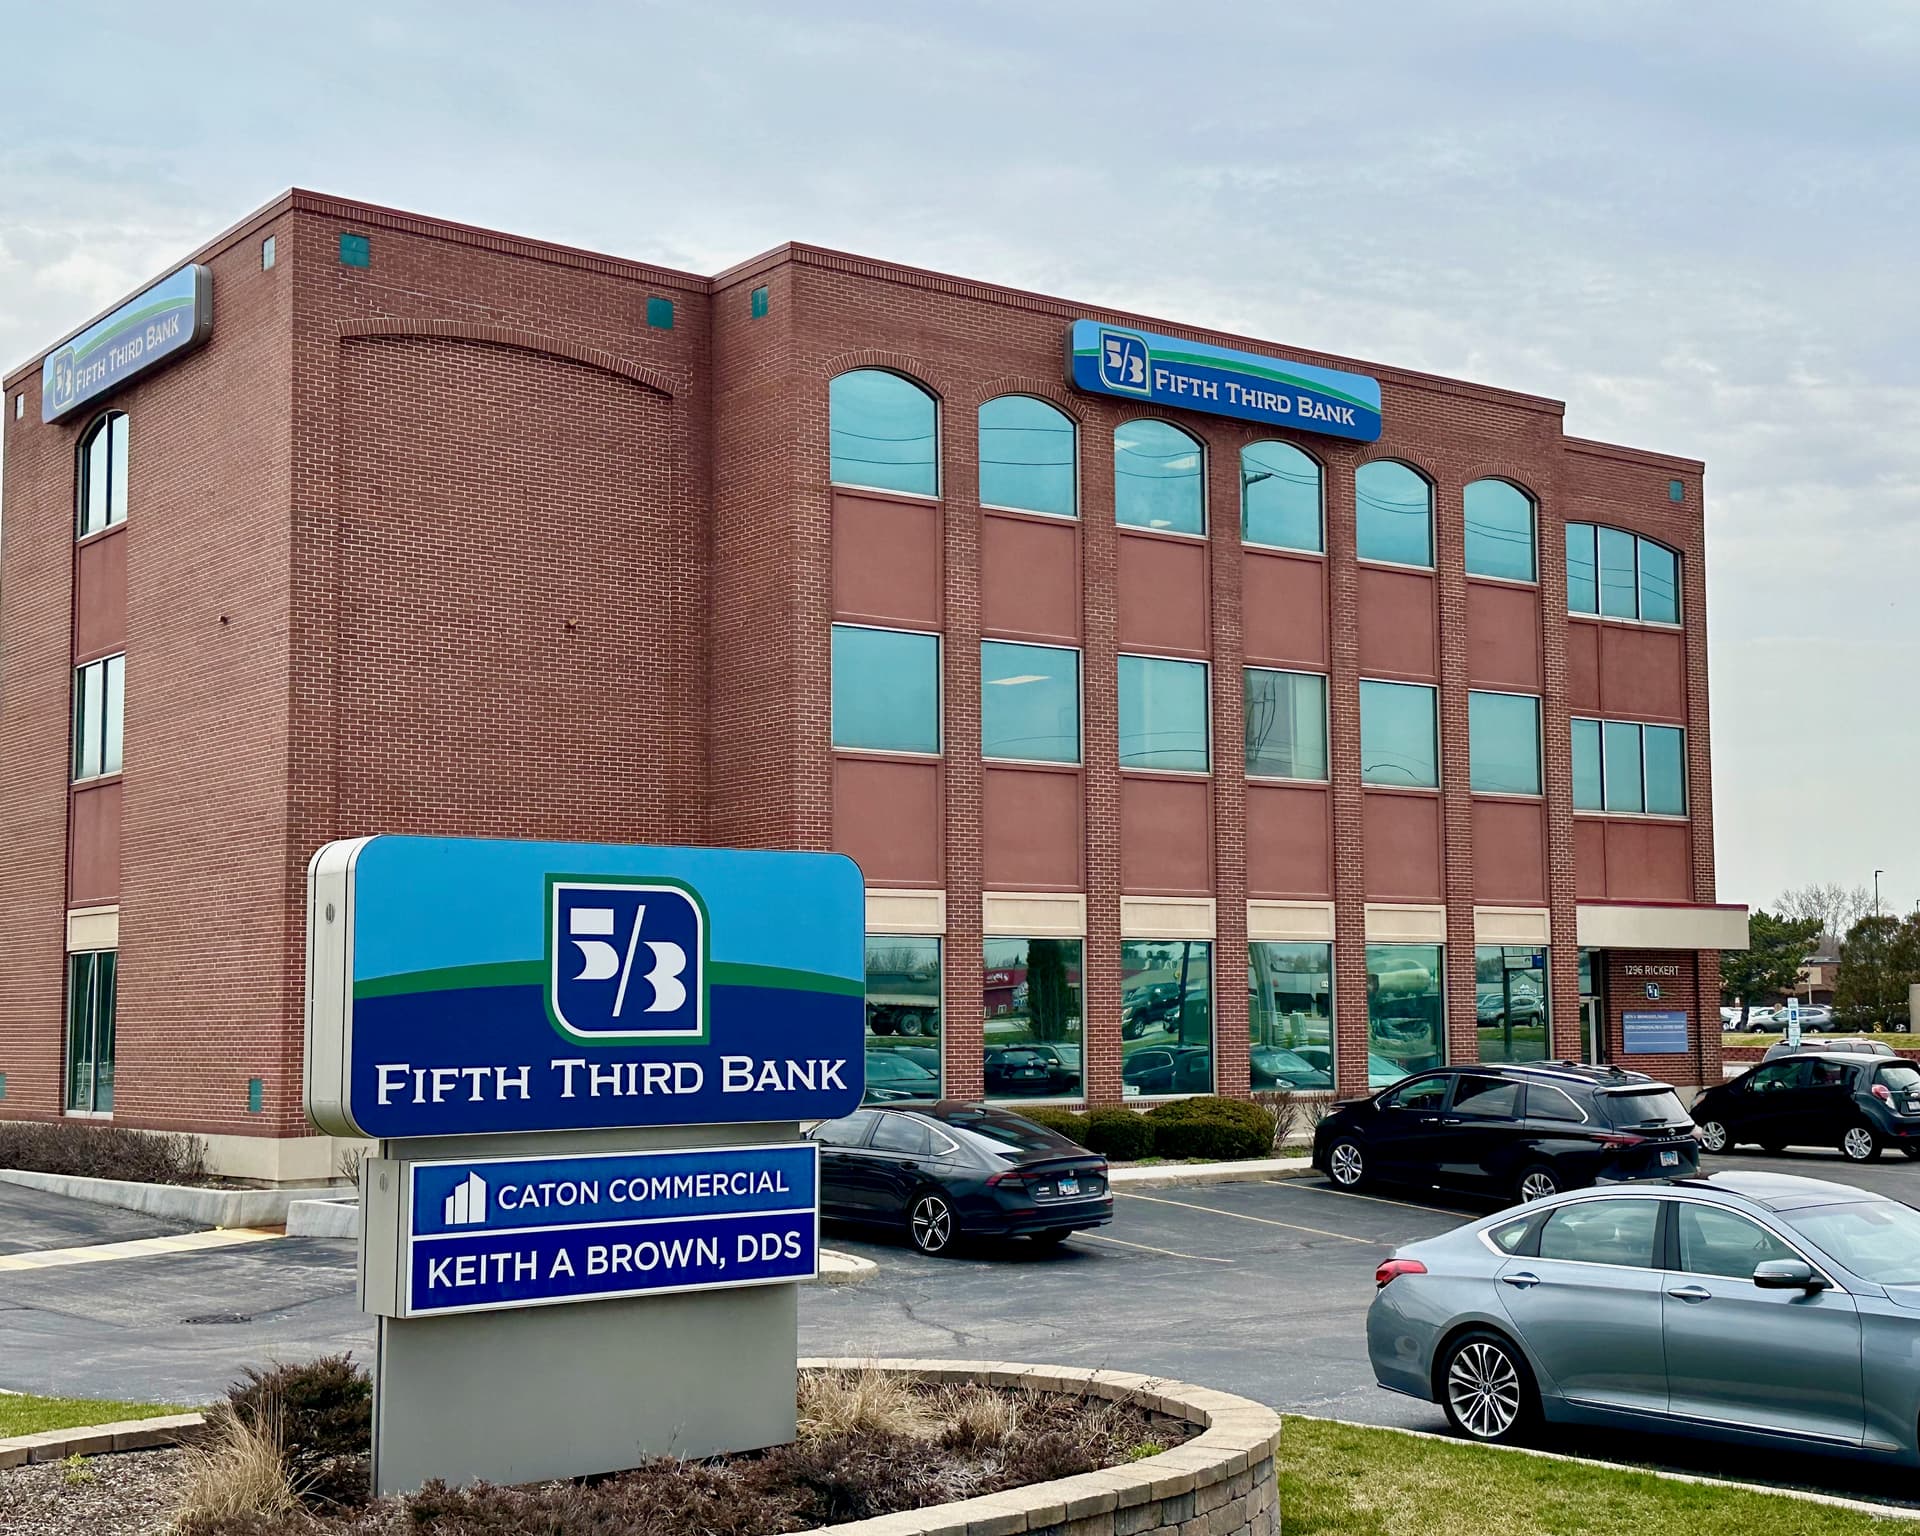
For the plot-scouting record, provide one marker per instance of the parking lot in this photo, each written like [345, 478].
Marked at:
[1259, 1288]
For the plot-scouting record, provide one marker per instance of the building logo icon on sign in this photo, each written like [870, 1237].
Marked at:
[467, 1205]
[1123, 362]
[626, 961]
[1653, 991]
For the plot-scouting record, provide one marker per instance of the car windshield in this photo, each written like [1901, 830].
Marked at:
[1905, 1076]
[1651, 1106]
[1879, 1241]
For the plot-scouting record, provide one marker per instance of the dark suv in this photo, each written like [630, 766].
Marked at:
[1514, 1132]
[1859, 1103]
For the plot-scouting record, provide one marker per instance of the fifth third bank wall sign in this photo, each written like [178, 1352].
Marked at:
[464, 987]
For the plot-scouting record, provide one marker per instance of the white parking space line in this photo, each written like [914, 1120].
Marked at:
[1265, 1221]
[1095, 1237]
[1342, 1194]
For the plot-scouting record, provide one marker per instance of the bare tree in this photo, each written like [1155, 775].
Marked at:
[1838, 907]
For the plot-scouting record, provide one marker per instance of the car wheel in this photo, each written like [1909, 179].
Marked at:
[1347, 1165]
[1714, 1135]
[931, 1223]
[1859, 1145]
[1487, 1390]
[1050, 1239]
[1538, 1183]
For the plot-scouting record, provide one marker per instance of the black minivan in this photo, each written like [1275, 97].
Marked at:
[1515, 1132]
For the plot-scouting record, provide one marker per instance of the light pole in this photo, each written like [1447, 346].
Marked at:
[1878, 937]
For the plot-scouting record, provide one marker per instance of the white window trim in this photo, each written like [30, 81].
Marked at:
[1079, 758]
[939, 692]
[887, 490]
[1393, 565]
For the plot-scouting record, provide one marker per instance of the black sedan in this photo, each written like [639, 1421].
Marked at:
[1028, 1069]
[1519, 1133]
[947, 1170]
[1822, 1098]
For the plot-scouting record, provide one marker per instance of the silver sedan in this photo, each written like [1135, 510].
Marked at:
[1754, 1307]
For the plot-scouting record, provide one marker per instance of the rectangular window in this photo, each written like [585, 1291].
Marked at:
[1666, 774]
[886, 689]
[1399, 735]
[1620, 756]
[1618, 581]
[1628, 768]
[1029, 702]
[903, 1018]
[1659, 584]
[356, 251]
[266, 254]
[1503, 743]
[1030, 1002]
[99, 703]
[1290, 1017]
[1583, 570]
[1587, 794]
[1163, 714]
[91, 988]
[1406, 1010]
[1286, 723]
[1166, 1017]
[1510, 1003]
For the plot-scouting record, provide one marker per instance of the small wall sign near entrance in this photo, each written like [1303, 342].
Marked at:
[464, 987]
[532, 1231]
[1655, 1032]
[172, 316]
[1164, 370]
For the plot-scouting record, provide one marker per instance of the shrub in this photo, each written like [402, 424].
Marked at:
[1119, 1134]
[237, 1479]
[1065, 1122]
[79, 1150]
[1212, 1128]
[322, 1415]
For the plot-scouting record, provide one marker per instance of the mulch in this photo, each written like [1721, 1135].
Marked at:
[128, 1494]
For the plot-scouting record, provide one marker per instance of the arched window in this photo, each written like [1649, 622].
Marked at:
[1280, 497]
[102, 491]
[1157, 479]
[882, 433]
[1393, 514]
[1500, 531]
[1026, 456]
[1620, 575]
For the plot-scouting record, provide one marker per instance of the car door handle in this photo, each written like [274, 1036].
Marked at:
[1522, 1281]
[910, 1165]
[1690, 1293]
[1449, 1119]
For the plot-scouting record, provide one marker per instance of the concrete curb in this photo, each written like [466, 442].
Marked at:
[97, 1439]
[1176, 1175]
[844, 1269]
[1222, 1482]
[323, 1218]
[173, 1202]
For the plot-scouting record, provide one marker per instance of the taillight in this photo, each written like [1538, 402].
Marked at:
[1880, 1093]
[1008, 1180]
[1621, 1141]
[1393, 1269]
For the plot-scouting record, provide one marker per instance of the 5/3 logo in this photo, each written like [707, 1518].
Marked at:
[626, 961]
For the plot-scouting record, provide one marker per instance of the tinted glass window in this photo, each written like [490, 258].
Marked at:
[1286, 721]
[1510, 1002]
[1587, 792]
[1509, 1238]
[881, 433]
[1163, 714]
[1666, 777]
[1426, 1094]
[1029, 702]
[1290, 1014]
[886, 689]
[1781, 1077]
[1879, 1241]
[1657, 1106]
[849, 1131]
[1618, 584]
[1486, 1098]
[1031, 1005]
[1659, 583]
[91, 986]
[903, 1015]
[1583, 570]
[1156, 478]
[1398, 736]
[1002, 1131]
[1716, 1242]
[99, 707]
[1622, 765]
[896, 1133]
[1166, 1002]
[1545, 1102]
[1499, 531]
[1601, 1232]
[1904, 1078]
[1830, 1074]
[102, 492]
[1406, 1009]
[1279, 497]
[1393, 514]
[1503, 743]
[1026, 456]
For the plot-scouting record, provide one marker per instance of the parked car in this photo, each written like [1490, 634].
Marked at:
[1750, 1307]
[1514, 1132]
[1859, 1103]
[1490, 1006]
[1780, 1048]
[1167, 1069]
[950, 1170]
[890, 1076]
[1034, 1069]
[1760, 1020]
[1381, 1073]
[1156, 1003]
[1285, 1071]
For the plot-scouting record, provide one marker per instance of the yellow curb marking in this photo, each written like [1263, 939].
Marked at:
[1265, 1221]
[1118, 1242]
[139, 1248]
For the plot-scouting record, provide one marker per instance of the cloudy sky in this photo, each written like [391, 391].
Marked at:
[1695, 222]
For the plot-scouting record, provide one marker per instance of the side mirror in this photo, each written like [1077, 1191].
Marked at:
[1787, 1275]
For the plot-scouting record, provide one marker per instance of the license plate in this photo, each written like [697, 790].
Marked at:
[1913, 1105]
[1069, 1186]
[1669, 1159]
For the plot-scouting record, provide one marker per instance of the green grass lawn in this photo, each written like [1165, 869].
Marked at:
[24, 1414]
[1341, 1481]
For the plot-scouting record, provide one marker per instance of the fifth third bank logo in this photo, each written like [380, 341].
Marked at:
[625, 962]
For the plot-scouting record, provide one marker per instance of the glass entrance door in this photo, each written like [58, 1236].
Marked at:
[1593, 1009]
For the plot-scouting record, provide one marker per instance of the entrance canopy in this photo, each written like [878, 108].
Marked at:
[1661, 925]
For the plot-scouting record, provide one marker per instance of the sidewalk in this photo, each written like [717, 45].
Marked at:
[1174, 1175]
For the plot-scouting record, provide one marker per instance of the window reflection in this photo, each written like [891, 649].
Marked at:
[1399, 742]
[1286, 724]
[1393, 514]
[1280, 497]
[1511, 1002]
[1026, 456]
[886, 689]
[1503, 743]
[1499, 530]
[1406, 1010]
[903, 1018]
[1166, 1016]
[1031, 1008]
[1163, 714]
[1029, 702]
[1290, 1017]
[882, 433]
[1157, 478]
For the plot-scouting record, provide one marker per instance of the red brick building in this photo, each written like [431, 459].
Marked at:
[444, 530]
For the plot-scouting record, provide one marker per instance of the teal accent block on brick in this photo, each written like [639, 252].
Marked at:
[758, 303]
[1676, 491]
[660, 314]
[256, 1095]
[3, 1085]
[356, 251]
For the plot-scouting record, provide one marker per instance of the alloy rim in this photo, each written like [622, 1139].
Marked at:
[1346, 1164]
[1713, 1136]
[1858, 1143]
[1483, 1388]
[932, 1224]
[1537, 1186]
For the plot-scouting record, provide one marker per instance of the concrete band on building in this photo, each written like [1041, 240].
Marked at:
[448, 531]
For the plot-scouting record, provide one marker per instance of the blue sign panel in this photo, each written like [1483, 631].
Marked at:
[531, 1231]
[1164, 370]
[462, 987]
[1661, 1032]
[174, 314]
